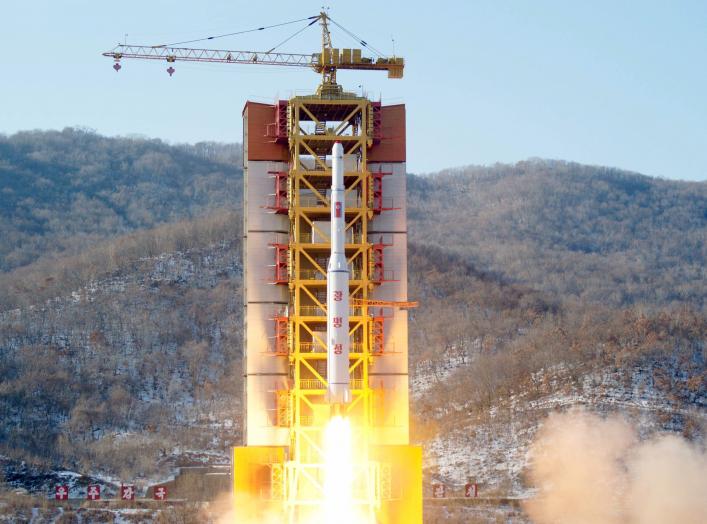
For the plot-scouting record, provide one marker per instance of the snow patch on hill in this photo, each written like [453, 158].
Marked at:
[491, 447]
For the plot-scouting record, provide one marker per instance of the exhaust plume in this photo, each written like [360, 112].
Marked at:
[593, 470]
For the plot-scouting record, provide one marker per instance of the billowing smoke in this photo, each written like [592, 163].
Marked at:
[668, 482]
[593, 470]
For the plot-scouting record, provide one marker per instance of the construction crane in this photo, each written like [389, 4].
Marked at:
[326, 62]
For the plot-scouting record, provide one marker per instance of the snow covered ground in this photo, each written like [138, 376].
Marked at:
[492, 449]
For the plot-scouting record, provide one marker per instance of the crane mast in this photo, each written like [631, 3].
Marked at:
[328, 73]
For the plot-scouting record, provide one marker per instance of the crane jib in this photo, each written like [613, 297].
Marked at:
[317, 61]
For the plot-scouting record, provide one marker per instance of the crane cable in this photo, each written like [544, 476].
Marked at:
[357, 38]
[239, 32]
[294, 35]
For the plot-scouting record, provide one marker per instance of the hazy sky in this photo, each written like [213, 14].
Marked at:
[618, 83]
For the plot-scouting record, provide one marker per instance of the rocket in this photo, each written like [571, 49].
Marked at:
[338, 340]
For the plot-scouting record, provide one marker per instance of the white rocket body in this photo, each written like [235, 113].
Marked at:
[338, 340]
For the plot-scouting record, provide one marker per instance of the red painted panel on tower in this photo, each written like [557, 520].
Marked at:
[391, 147]
[260, 133]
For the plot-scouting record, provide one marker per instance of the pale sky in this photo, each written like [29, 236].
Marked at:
[616, 83]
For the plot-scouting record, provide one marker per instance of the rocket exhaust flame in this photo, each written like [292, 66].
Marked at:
[339, 463]
[338, 472]
[338, 340]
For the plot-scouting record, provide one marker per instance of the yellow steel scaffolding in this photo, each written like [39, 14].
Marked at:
[310, 141]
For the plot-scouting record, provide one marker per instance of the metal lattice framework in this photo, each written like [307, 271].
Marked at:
[185, 54]
[310, 140]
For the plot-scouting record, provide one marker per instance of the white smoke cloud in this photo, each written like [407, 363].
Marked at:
[593, 470]
[668, 483]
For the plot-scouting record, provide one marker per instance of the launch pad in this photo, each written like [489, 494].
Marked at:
[288, 173]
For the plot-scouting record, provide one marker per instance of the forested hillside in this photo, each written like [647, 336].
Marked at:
[579, 232]
[129, 358]
[542, 285]
[63, 190]
[131, 368]
[584, 232]
[490, 360]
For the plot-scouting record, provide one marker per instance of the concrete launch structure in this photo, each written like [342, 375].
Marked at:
[290, 230]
